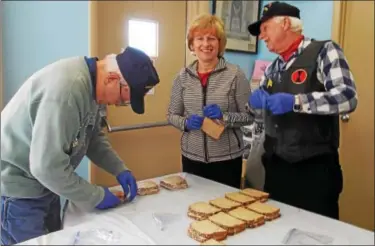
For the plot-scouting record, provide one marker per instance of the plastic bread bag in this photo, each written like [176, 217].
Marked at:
[162, 220]
[255, 173]
[97, 237]
[109, 237]
[298, 237]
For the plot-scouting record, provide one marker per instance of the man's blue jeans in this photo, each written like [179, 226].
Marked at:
[23, 219]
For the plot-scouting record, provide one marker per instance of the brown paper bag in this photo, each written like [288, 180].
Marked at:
[213, 128]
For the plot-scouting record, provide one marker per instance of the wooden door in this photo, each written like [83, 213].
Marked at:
[147, 152]
[354, 30]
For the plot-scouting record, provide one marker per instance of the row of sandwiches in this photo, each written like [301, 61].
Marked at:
[150, 187]
[229, 215]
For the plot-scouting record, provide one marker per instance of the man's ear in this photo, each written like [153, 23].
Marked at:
[112, 77]
[286, 23]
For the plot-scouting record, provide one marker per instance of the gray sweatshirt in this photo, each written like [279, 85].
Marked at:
[43, 129]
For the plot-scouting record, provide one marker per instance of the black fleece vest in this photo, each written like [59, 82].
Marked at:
[298, 136]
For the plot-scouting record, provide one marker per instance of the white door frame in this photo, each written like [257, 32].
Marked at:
[2, 61]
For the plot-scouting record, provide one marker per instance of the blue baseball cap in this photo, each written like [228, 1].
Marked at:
[140, 74]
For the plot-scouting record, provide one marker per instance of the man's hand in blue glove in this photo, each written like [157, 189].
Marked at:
[109, 200]
[258, 99]
[280, 103]
[212, 111]
[194, 122]
[128, 184]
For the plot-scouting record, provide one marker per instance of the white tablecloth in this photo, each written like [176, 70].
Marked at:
[136, 223]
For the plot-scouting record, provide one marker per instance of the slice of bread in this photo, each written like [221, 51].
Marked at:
[224, 204]
[269, 212]
[204, 230]
[257, 194]
[212, 242]
[240, 198]
[174, 182]
[251, 218]
[147, 188]
[202, 210]
[227, 222]
[213, 128]
[197, 217]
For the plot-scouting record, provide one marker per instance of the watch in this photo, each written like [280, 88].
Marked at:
[297, 107]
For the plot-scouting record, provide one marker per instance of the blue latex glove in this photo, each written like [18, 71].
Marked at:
[194, 122]
[258, 99]
[280, 103]
[212, 111]
[109, 201]
[128, 184]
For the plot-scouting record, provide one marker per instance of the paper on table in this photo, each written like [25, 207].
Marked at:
[115, 229]
[163, 219]
[298, 237]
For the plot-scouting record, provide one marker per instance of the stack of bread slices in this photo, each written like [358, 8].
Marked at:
[221, 217]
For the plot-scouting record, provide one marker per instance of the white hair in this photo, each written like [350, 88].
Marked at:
[296, 24]
[111, 65]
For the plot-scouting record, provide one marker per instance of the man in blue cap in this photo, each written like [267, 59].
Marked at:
[302, 93]
[50, 124]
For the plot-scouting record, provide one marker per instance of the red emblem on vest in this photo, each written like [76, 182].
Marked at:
[299, 76]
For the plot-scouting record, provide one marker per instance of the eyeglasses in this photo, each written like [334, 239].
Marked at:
[122, 102]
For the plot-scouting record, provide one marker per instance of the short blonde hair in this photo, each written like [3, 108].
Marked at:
[208, 22]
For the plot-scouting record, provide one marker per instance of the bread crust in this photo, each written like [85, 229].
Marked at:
[212, 242]
[257, 194]
[241, 198]
[201, 237]
[258, 219]
[174, 183]
[147, 187]
[144, 192]
[196, 216]
[214, 210]
[215, 203]
[241, 226]
[257, 208]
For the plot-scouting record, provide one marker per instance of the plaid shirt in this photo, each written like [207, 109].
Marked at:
[332, 71]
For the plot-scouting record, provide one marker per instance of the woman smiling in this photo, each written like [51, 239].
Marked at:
[213, 88]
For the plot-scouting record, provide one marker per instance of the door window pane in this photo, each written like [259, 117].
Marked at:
[143, 34]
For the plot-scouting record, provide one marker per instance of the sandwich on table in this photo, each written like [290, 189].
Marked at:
[147, 188]
[224, 204]
[251, 218]
[240, 198]
[229, 223]
[174, 182]
[257, 194]
[202, 210]
[204, 230]
[269, 212]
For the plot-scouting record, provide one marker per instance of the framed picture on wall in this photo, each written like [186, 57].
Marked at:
[237, 15]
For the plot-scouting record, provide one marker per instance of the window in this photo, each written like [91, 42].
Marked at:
[143, 35]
